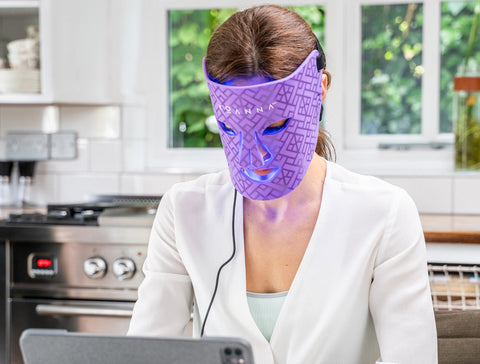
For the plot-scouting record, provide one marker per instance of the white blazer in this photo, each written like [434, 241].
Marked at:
[361, 292]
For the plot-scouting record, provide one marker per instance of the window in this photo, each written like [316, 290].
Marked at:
[391, 69]
[456, 25]
[190, 107]
[408, 54]
[191, 121]
[389, 109]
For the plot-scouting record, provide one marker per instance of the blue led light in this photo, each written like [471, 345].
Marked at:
[250, 174]
[275, 129]
[227, 129]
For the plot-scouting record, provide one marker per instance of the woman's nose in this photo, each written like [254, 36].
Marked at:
[258, 153]
[255, 158]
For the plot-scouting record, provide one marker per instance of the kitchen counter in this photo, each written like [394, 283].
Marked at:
[452, 239]
[451, 228]
[438, 228]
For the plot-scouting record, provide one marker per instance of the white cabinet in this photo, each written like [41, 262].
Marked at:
[78, 51]
[20, 60]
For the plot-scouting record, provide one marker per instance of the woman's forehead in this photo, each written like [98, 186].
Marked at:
[248, 80]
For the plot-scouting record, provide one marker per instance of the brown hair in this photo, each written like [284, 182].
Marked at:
[268, 41]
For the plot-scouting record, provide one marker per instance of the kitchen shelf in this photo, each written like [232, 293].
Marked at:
[19, 4]
[75, 61]
[20, 48]
[24, 99]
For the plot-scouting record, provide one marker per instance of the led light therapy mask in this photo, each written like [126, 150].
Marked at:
[268, 161]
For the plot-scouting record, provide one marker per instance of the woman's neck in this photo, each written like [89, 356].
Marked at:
[307, 192]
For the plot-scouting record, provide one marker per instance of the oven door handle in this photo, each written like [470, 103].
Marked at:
[51, 310]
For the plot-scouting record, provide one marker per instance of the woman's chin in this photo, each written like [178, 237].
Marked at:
[260, 175]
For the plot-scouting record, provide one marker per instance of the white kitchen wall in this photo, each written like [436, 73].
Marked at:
[466, 192]
[25, 118]
[431, 194]
[112, 148]
[111, 152]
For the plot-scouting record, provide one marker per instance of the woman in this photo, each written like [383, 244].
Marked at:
[307, 261]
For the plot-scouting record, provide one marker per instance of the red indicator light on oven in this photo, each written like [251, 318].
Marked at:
[44, 263]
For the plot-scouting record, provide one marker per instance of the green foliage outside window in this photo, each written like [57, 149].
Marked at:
[457, 19]
[190, 106]
[391, 69]
[189, 33]
[392, 64]
[315, 17]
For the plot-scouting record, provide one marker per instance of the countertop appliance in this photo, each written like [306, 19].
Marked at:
[69, 269]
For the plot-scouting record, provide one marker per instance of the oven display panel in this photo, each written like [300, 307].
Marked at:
[42, 265]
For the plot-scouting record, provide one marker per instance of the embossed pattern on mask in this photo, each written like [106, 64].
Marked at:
[249, 110]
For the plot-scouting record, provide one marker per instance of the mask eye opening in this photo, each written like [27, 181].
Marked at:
[275, 129]
[226, 128]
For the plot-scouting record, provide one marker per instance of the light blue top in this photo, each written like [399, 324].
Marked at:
[265, 308]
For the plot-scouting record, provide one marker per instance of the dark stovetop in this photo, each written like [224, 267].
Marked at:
[84, 214]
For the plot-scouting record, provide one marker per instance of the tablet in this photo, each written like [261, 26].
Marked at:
[40, 346]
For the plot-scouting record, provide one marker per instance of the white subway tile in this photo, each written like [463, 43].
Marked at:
[91, 121]
[143, 184]
[466, 192]
[51, 119]
[431, 194]
[3, 149]
[134, 122]
[79, 164]
[134, 155]
[189, 177]
[105, 156]
[81, 187]
[44, 189]
[28, 118]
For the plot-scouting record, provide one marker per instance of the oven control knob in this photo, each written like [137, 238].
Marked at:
[123, 268]
[95, 267]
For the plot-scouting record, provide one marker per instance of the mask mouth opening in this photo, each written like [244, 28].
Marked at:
[260, 178]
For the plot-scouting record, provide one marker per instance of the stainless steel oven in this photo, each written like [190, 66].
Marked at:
[78, 278]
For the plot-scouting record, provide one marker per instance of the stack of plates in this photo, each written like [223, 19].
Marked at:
[23, 76]
[24, 53]
[19, 81]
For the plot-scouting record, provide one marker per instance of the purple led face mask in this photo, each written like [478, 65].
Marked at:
[268, 161]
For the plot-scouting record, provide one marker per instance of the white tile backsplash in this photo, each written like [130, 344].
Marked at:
[431, 195]
[91, 121]
[466, 195]
[80, 187]
[134, 155]
[27, 118]
[134, 122]
[189, 177]
[112, 159]
[44, 189]
[142, 184]
[79, 164]
[3, 149]
[105, 156]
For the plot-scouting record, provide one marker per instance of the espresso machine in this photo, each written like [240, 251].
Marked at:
[16, 178]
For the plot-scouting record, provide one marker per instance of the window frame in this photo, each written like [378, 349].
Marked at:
[343, 102]
[361, 152]
[430, 79]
